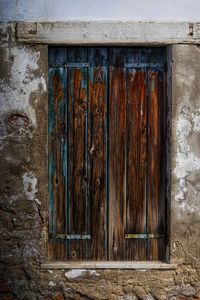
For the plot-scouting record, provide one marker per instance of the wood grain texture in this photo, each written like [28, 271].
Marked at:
[107, 164]
[136, 162]
[156, 164]
[97, 151]
[117, 123]
[57, 148]
[77, 138]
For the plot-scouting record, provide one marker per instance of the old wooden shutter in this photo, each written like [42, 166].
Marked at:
[107, 162]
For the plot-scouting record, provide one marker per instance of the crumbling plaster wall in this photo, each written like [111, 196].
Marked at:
[185, 189]
[24, 192]
[23, 162]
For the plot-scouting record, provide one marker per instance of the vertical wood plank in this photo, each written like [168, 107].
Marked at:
[136, 153]
[57, 148]
[97, 149]
[156, 164]
[117, 123]
[78, 155]
[136, 162]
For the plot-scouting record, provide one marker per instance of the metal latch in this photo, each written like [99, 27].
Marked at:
[143, 235]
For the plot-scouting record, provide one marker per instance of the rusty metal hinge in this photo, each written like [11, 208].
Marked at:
[143, 235]
[69, 65]
[70, 236]
[144, 65]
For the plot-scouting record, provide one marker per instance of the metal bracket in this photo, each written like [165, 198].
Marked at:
[69, 65]
[144, 65]
[126, 65]
[70, 236]
[143, 235]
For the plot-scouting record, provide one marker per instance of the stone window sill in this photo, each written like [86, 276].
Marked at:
[109, 265]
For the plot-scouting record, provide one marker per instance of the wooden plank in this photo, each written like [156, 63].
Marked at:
[136, 161]
[57, 153]
[136, 155]
[156, 163]
[108, 32]
[78, 153]
[157, 155]
[117, 123]
[97, 149]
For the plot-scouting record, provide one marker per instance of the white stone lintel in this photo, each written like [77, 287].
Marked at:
[108, 32]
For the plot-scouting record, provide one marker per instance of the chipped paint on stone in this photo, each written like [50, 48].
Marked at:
[74, 273]
[127, 297]
[80, 272]
[93, 272]
[186, 161]
[196, 121]
[12, 199]
[37, 201]
[29, 182]
[51, 283]
[16, 90]
[192, 207]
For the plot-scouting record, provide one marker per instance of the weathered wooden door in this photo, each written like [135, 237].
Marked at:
[107, 162]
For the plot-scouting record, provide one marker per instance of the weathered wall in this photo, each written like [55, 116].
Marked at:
[24, 197]
[185, 208]
[43, 10]
[23, 161]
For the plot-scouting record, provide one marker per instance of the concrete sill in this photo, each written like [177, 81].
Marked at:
[109, 265]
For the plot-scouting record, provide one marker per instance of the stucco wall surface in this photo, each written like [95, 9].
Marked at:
[24, 191]
[62, 10]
